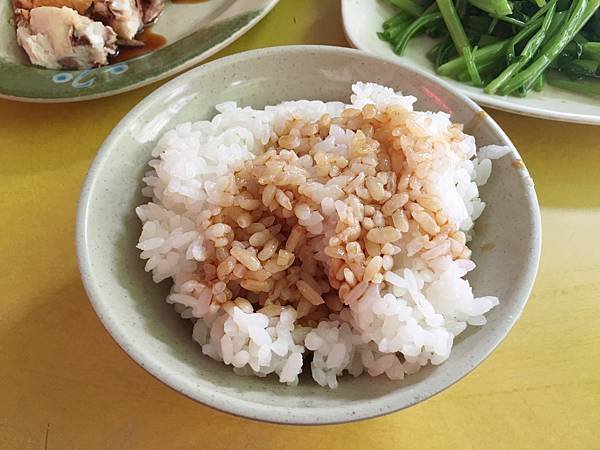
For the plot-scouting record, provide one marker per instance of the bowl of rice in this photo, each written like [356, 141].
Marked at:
[308, 235]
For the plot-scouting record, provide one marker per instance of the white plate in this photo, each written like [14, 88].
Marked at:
[364, 18]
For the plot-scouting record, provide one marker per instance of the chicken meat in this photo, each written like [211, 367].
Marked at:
[81, 6]
[151, 10]
[127, 17]
[78, 34]
[61, 38]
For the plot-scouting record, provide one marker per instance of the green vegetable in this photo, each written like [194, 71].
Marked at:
[527, 53]
[415, 27]
[408, 6]
[587, 65]
[579, 14]
[532, 25]
[461, 7]
[397, 30]
[487, 39]
[455, 28]
[512, 21]
[459, 37]
[395, 20]
[539, 83]
[591, 50]
[581, 68]
[585, 86]
[591, 30]
[432, 8]
[481, 56]
[505, 46]
[493, 7]
[531, 28]
[493, 24]
[443, 50]
[432, 53]
[478, 24]
[487, 70]
[472, 67]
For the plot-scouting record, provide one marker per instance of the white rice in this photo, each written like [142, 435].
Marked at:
[394, 328]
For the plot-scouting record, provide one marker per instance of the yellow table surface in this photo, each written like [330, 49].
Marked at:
[64, 383]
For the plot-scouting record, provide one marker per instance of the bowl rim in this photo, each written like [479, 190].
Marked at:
[274, 413]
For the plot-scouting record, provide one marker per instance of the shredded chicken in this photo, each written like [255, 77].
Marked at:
[77, 34]
[125, 17]
[151, 10]
[81, 6]
[60, 38]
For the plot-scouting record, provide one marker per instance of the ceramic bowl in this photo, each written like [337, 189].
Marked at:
[506, 245]
[192, 30]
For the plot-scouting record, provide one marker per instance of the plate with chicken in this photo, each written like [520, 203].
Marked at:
[70, 50]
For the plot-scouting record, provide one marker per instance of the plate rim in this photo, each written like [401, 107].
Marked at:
[482, 99]
[189, 63]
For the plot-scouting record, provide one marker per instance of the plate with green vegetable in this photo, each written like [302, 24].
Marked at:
[538, 58]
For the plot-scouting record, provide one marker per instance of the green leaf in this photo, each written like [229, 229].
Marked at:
[494, 7]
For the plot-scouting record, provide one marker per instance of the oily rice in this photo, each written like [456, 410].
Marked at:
[325, 232]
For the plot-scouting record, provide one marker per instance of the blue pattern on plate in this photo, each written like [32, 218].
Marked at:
[80, 82]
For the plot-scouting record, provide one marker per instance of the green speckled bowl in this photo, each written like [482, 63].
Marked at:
[194, 31]
[132, 308]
